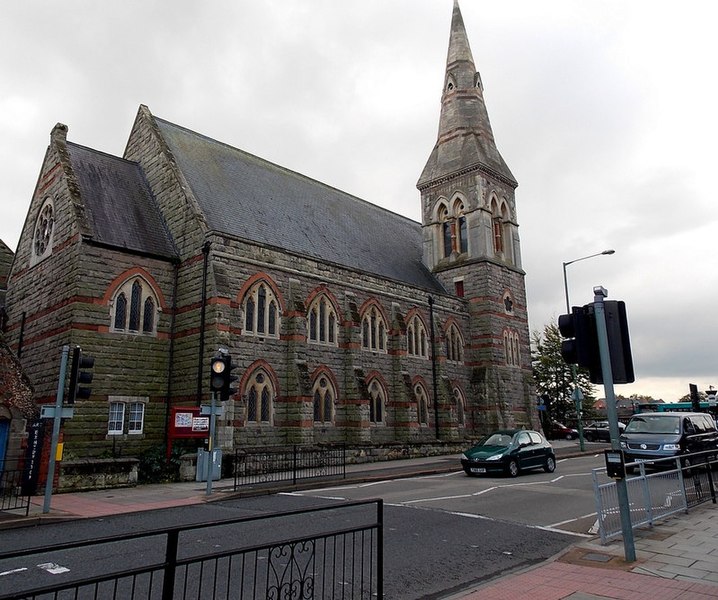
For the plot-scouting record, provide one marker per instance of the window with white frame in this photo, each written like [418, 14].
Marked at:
[322, 322]
[260, 398]
[377, 401]
[416, 340]
[374, 335]
[324, 396]
[454, 344]
[126, 415]
[134, 308]
[261, 311]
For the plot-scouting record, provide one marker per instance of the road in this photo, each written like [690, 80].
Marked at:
[441, 533]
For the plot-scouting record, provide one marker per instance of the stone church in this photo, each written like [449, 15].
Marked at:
[347, 322]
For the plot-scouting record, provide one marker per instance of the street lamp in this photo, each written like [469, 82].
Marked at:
[577, 394]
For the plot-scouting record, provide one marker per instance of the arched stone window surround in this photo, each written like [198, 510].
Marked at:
[512, 351]
[417, 337]
[378, 398]
[422, 399]
[43, 232]
[249, 298]
[323, 318]
[325, 396]
[374, 327]
[454, 341]
[259, 389]
[459, 405]
[459, 213]
[135, 301]
[442, 215]
[499, 219]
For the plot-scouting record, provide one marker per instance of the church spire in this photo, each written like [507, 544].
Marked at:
[465, 139]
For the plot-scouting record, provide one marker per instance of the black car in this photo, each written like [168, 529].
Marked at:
[598, 431]
[509, 451]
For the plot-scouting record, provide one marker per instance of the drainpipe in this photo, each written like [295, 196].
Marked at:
[433, 367]
[205, 251]
[171, 361]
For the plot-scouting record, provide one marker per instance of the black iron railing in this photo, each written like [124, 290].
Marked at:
[12, 495]
[212, 561]
[288, 464]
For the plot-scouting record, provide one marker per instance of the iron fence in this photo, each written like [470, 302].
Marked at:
[12, 493]
[330, 561]
[676, 485]
[288, 464]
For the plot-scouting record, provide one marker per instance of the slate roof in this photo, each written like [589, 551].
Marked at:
[119, 204]
[253, 199]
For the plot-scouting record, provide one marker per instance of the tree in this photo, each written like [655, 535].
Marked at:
[553, 377]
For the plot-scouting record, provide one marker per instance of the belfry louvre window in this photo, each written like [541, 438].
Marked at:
[322, 322]
[374, 336]
[134, 308]
[261, 312]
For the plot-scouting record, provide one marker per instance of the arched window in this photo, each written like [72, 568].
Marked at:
[422, 404]
[462, 241]
[377, 402]
[261, 311]
[460, 406]
[324, 396]
[322, 321]
[416, 340]
[444, 220]
[374, 332]
[139, 314]
[259, 395]
[454, 344]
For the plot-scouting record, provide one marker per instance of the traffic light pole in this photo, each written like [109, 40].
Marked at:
[55, 429]
[210, 442]
[600, 293]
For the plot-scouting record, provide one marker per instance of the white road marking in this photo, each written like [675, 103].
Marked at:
[10, 572]
[53, 568]
[571, 520]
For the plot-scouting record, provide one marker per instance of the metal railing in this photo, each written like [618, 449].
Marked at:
[12, 495]
[330, 560]
[677, 485]
[288, 464]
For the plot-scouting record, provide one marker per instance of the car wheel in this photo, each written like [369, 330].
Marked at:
[550, 465]
[686, 464]
[512, 469]
[588, 437]
[569, 436]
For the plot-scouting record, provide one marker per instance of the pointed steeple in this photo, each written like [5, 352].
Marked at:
[465, 139]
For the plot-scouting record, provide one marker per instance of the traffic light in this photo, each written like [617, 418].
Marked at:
[619, 342]
[581, 344]
[78, 376]
[221, 377]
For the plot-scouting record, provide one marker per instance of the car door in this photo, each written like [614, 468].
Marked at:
[525, 450]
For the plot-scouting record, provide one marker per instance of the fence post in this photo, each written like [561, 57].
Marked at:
[709, 471]
[646, 493]
[380, 549]
[682, 484]
[294, 467]
[599, 506]
[168, 584]
[344, 461]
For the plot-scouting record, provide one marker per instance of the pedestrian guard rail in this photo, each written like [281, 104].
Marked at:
[283, 464]
[254, 558]
[667, 487]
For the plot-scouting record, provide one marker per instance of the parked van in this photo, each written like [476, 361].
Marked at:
[650, 436]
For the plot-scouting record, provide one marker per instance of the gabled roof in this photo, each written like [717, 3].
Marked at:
[120, 208]
[255, 200]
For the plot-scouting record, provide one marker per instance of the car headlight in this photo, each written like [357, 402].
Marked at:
[464, 457]
[671, 446]
[624, 445]
[495, 457]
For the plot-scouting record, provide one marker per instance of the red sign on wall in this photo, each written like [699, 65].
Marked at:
[187, 423]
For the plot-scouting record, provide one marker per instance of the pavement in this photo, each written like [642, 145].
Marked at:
[677, 558]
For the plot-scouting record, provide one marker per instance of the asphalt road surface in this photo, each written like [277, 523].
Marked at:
[441, 533]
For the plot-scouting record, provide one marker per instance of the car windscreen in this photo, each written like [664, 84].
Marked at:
[496, 439]
[654, 424]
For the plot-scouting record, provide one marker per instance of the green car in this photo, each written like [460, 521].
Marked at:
[509, 451]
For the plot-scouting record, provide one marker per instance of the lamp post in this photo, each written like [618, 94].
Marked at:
[577, 394]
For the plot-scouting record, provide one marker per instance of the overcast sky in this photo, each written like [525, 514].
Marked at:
[605, 111]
